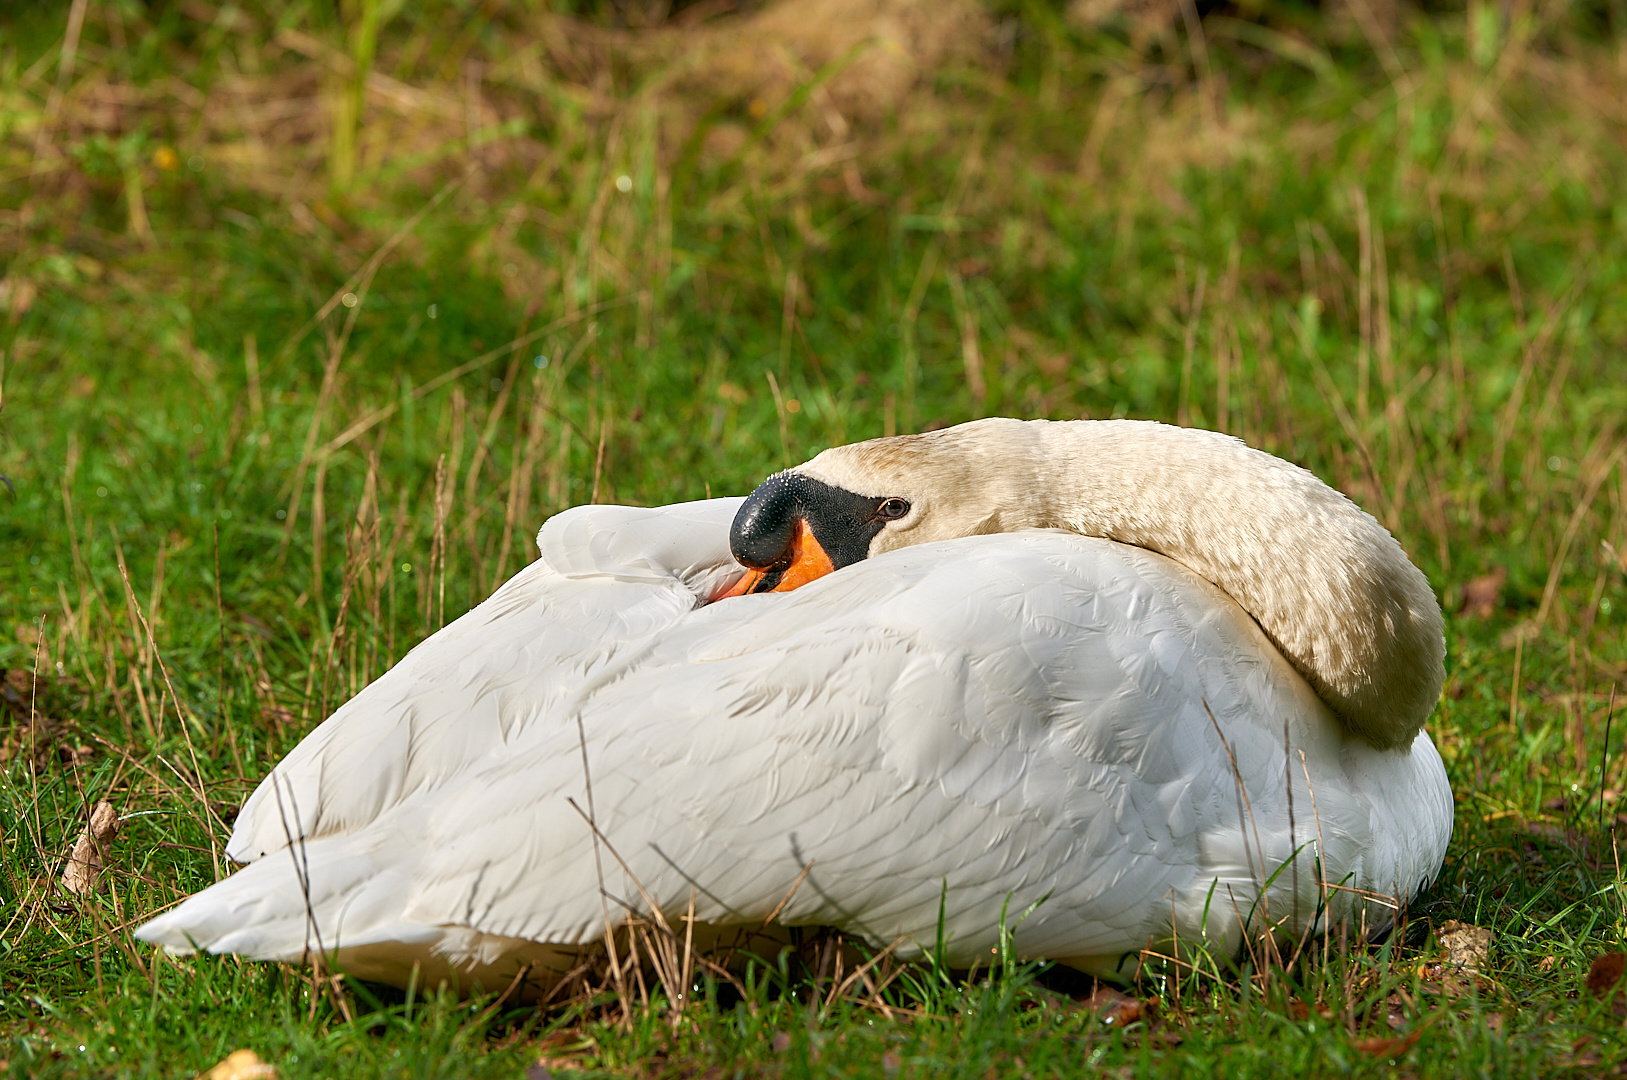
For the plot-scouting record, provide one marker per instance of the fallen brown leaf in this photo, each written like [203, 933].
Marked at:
[1604, 974]
[1116, 1009]
[557, 1050]
[1389, 1048]
[84, 869]
[1480, 596]
[1467, 946]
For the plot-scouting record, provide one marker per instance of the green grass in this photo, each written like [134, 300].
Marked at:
[1396, 256]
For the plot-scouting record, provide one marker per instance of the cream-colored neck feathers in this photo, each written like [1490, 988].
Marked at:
[1327, 583]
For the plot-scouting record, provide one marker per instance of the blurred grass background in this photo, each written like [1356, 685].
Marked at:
[311, 313]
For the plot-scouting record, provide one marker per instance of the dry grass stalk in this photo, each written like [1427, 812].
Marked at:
[209, 818]
[43, 148]
[523, 473]
[1553, 318]
[378, 416]
[1194, 314]
[361, 554]
[437, 552]
[330, 373]
[660, 942]
[779, 410]
[476, 507]
[1597, 472]
[598, 456]
[971, 356]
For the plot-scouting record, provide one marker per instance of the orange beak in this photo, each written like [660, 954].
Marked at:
[804, 561]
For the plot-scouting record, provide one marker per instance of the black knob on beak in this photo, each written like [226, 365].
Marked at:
[765, 524]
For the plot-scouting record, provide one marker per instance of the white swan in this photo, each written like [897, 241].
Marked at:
[1006, 691]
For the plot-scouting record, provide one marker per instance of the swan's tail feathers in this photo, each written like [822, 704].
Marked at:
[297, 902]
[345, 906]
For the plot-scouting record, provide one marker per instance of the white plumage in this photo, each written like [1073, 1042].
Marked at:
[1022, 717]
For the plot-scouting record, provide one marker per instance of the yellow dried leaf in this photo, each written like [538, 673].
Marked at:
[241, 1065]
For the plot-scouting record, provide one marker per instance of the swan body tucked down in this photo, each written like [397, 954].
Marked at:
[1118, 672]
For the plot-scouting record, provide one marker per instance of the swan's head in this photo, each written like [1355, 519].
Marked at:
[852, 502]
[1326, 582]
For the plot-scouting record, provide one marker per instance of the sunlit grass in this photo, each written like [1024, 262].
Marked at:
[318, 408]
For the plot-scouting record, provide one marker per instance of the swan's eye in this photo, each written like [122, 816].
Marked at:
[892, 509]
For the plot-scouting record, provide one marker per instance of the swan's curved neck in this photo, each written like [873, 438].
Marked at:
[1328, 584]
